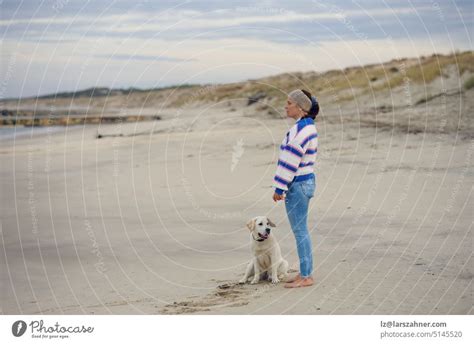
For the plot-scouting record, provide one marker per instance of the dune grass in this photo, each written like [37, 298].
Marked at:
[352, 81]
[469, 83]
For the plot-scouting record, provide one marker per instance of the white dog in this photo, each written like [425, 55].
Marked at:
[267, 255]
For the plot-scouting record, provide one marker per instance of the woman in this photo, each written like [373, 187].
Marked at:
[294, 179]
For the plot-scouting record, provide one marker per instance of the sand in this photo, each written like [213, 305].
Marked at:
[153, 221]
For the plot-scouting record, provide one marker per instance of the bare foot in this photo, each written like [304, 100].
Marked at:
[293, 278]
[301, 282]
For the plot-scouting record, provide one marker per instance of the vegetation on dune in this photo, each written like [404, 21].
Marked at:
[469, 83]
[338, 85]
[347, 83]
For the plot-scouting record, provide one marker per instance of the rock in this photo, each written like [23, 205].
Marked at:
[256, 97]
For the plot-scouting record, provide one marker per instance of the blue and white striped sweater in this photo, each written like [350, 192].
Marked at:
[297, 154]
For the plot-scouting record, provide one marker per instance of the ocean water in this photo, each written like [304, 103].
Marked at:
[18, 132]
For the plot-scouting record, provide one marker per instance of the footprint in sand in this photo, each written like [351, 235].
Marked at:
[229, 294]
[225, 295]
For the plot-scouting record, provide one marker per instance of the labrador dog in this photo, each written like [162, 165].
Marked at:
[267, 260]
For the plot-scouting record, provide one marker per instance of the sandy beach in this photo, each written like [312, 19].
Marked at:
[150, 219]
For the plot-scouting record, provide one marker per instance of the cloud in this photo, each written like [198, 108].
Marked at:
[320, 22]
[149, 44]
[132, 57]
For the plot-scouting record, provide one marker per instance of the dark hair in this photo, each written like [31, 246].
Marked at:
[308, 94]
[313, 112]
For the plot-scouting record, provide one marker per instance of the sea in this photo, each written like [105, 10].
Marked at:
[18, 132]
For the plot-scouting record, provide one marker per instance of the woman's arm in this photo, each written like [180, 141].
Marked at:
[288, 163]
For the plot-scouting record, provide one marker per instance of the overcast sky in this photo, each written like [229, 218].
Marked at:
[61, 45]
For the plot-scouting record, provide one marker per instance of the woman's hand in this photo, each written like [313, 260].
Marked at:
[277, 197]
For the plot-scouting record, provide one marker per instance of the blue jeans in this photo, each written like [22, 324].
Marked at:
[296, 203]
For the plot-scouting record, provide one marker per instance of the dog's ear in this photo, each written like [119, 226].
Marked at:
[251, 224]
[270, 223]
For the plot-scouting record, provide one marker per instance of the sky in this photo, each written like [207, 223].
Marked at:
[67, 45]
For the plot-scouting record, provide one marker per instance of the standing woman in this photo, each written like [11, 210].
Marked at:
[295, 180]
